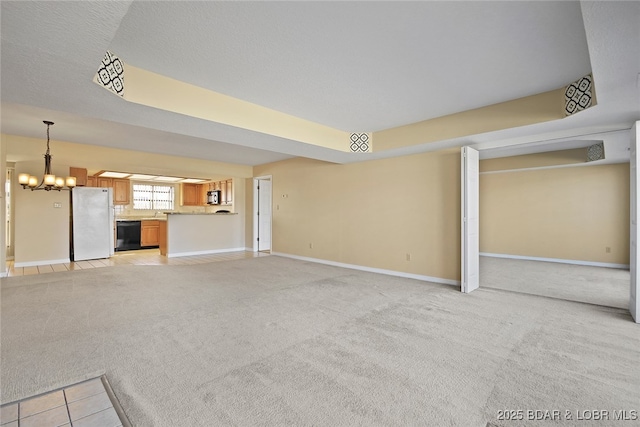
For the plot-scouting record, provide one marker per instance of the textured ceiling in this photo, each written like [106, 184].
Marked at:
[349, 65]
[360, 66]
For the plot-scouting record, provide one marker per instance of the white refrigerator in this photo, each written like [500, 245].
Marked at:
[93, 223]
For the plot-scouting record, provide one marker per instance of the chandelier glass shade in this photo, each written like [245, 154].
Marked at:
[49, 180]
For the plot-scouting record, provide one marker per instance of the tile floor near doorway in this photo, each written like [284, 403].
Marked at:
[87, 404]
[141, 257]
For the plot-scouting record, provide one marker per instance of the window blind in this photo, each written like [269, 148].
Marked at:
[153, 197]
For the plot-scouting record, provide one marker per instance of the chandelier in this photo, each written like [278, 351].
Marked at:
[49, 181]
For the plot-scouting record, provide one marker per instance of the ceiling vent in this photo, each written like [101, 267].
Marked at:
[110, 75]
[578, 95]
[595, 152]
[360, 142]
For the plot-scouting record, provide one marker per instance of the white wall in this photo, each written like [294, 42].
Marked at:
[202, 234]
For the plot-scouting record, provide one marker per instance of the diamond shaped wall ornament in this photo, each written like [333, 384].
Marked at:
[110, 75]
[578, 95]
[360, 142]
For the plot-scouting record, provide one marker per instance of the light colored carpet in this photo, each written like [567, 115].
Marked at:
[275, 341]
[582, 283]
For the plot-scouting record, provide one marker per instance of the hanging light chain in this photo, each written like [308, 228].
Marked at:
[49, 181]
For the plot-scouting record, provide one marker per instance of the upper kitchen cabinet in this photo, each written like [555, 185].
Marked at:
[81, 176]
[226, 190]
[121, 191]
[192, 194]
[121, 188]
[228, 200]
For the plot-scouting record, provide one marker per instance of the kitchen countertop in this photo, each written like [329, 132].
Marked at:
[201, 213]
[141, 219]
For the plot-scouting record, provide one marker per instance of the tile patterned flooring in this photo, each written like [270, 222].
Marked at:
[86, 404]
[141, 257]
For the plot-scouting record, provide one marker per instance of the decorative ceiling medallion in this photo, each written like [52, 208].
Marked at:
[360, 142]
[595, 152]
[578, 95]
[110, 75]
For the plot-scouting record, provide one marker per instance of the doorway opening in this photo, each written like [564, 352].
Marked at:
[542, 217]
[9, 210]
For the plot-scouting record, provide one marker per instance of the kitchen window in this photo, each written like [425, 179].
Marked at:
[153, 197]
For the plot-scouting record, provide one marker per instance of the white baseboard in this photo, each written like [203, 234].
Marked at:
[42, 262]
[372, 270]
[558, 260]
[207, 252]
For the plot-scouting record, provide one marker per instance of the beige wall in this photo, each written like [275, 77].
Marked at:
[539, 108]
[572, 213]
[41, 230]
[371, 213]
[157, 91]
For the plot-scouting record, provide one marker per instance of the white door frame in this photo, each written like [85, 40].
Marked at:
[470, 220]
[634, 230]
[256, 201]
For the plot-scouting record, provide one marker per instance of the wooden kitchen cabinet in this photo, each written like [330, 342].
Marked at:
[226, 192]
[121, 188]
[80, 174]
[205, 188]
[121, 191]
[162, 237]
[192, 195]
[196, 194]
[223, 192]
[104, 182]
[229, 198]
[150, 233]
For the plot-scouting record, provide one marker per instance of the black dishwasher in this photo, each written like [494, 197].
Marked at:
[127, 235]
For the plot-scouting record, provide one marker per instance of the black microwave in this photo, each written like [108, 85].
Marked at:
[213, 197]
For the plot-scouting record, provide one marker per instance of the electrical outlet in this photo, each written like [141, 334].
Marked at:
[408, 257]
[57, 205]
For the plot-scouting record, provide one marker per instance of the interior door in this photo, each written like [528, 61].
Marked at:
[264, 215]
[470, 215]
[634, 302]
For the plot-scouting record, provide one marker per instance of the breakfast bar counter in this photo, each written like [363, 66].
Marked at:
[200, 233]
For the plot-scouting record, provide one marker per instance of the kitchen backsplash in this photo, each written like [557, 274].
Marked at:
[127, 211]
